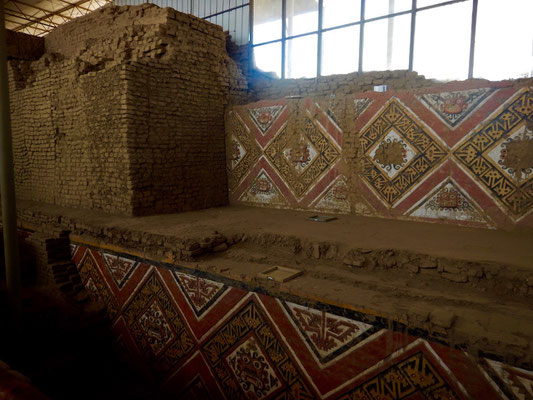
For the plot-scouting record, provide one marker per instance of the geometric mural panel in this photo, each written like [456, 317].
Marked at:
[327, 335]
[264, 117]
[263, 191]
[500, 155]
[335, 198]
[412, 378]
[242, 151]
[398, 152]
[294, 154]
[246, 347]
[302, 159]
[263, 348]
[92, 279]
[120, 268]
[454, 107]
[201, 293]
[448, 201]
[156, 325]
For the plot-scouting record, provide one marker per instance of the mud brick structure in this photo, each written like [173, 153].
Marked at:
[124, 113]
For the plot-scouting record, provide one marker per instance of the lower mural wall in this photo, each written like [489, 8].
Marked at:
[459, 153]
[205, 339]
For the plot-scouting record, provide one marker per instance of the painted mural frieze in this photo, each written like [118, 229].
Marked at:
[263, 191]
[450, 202]
[156, 325]
[242, 150]
[252, 370]
[252, 346]
[303, 157]
[398, 152]
[92, 278]
[245, 347]
[119, 268]
[327, 335]
[454, 107]
[336, 197]
[499, 155]
[201, 293]
[264, 117]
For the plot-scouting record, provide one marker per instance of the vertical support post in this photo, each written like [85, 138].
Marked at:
[319, 43]
[472, 40]
[412, 39]
[251, 64]
[283, 36]
[361, 36]
[7, 182]
[390, 36]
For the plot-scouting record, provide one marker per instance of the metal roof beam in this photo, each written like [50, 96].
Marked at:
[39, 8]
[57, 12]
[30, 21]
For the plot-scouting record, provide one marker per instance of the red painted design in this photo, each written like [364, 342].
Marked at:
[249, 346]
[201, 293]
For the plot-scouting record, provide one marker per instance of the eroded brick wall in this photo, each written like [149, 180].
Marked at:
[125, 113]
[265, 88]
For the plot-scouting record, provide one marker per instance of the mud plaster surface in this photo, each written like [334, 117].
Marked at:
[468, 287]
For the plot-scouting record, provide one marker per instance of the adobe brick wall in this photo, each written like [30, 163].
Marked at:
[125, 113]
[264, 88]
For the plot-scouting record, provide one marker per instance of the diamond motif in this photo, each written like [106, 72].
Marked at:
[301, 161]
[300, 154]
[221, 348]
[155, 327]
[448, 202]
[120, 268]
[263, 191]
[454, 107]
[382, 161]
[392, 154]
[252, 370]
[264, 117]
[514, 154]
[238, 165]
[495, 152]
[201, 293]
[327, 335]
[336, 197]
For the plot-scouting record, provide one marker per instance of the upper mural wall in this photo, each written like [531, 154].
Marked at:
[457, 153]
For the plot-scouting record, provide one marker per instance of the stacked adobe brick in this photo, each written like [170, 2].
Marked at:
[263, 87]
[125, 113]
[53, 265]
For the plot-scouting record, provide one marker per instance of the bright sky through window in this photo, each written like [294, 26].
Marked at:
[503, 46]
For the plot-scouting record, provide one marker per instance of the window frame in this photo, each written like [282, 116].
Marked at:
[361, 23]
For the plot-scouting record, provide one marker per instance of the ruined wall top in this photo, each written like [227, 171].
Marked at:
[120, 22]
